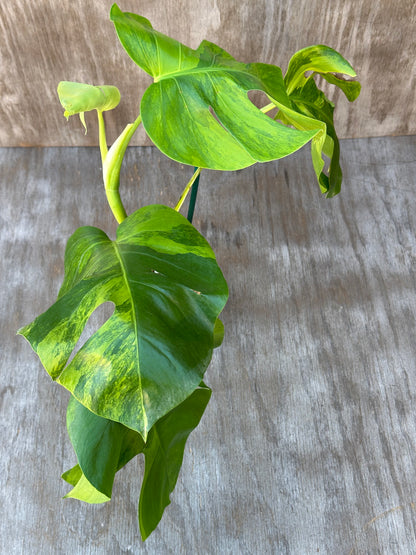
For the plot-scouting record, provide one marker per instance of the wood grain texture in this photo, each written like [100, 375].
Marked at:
[44, 42]
[308, 444]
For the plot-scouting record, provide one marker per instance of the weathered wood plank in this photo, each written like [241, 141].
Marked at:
[44, 43]
[308, 442]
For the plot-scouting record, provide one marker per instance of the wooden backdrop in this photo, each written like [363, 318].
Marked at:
[46, 41]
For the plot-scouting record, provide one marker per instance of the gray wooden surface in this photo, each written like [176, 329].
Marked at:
[308, 444]
[47, 41]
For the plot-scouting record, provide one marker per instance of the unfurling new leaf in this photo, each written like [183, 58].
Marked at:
[77, 98]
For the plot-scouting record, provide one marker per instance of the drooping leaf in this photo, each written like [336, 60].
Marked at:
[163, 455]
[318, 59]
[188, 83]
[311, 108]
[151, 354]
[101, 445]
[78, 98]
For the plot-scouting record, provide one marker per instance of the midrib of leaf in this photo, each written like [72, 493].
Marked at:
[207, 69]
[126, 281]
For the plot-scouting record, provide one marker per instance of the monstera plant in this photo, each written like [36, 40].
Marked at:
[136, 384]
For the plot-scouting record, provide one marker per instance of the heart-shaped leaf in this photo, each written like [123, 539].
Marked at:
[189, 83]
[151, 354]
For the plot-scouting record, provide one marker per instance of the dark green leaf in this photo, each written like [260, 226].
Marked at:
[188, 83]
[218, 333]
[163, 455]
[151, 354]
[101, 445]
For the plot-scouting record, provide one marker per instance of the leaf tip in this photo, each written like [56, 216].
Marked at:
[114, 11]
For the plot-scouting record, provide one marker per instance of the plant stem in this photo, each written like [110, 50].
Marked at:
[187, 189]
[268, 108]
[192, 200]
[101, 135]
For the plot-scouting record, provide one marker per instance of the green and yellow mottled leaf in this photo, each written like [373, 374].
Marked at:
[151, 354]
[318, 59]
[311, 109]
[197, 110]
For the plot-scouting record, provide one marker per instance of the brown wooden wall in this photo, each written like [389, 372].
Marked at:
[46, 41]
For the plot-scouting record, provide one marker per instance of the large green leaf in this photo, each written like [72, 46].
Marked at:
[151, 354]
[188, 83]
[164, 453]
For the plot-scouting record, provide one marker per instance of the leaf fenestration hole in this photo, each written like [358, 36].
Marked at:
[260, 99]
[212, 112]
[97, 319]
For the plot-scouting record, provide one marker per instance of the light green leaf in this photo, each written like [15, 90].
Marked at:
[188, 83]
[311, 109]
[77, 98]
[82, 490]
[151, 354]
[319, 59]
[163, 455]
[80, 97]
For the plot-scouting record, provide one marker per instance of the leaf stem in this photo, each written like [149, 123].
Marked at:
[187, 189]
[268, 108]
[192, 200]
[112, 161]
[101, 135]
